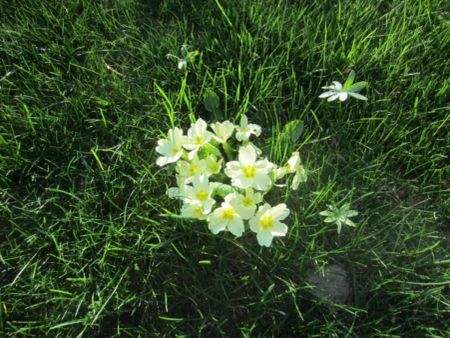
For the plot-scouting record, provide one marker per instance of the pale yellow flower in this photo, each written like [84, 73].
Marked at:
[248, 172]
[227, 217]
[266, 223]
[171, 148]
[223, 131]
[197, 137]
[244, 130]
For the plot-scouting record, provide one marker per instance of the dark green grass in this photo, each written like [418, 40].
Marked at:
[88, 247]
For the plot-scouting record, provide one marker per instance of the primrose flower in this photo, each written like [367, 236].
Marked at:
[295, 166]
[213, 165]
[227, 216]
[266, 223]
[197, 136]
[248, 172]
[246, 205]
[200, 192]
[171, 148]
[223, 131]
[244, 130]
[188, 169]
[194, 210]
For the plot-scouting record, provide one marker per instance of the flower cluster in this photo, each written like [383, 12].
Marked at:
[207, 169]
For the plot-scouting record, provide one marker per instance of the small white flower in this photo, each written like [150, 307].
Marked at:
[244, 130]
[295, 166]
[227, 217]
[197, 137]
[337, 90]
[182, 64]
[246, 205]
[294, 162]
[223, 131]
[200, 192]
[171, 148]
[248, 172]
[266, 223]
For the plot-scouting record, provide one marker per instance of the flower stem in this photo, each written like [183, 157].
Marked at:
[226, 147]
[213, 150]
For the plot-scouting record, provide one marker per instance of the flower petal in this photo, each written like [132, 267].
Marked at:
[264, 238]
[247, 155]
[280, 211]
[333, 97]
[327, 94]
[279, 229]
[236, 227]
[343, 96]
[337, 85]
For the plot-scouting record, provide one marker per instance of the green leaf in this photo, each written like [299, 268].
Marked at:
[293, 130]
[211, 101]
[352, 213]
[358, 96]
[350, 79]
[223, 189]
[349, 222]
[358, 86]
[339, 227]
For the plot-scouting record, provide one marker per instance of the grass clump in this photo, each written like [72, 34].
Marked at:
[89, 246]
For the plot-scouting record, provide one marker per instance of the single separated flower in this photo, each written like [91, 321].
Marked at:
[223, 131]
[197, 136]
[171, 148]
[227, 216]
[266, 223]
[337, 90]
[244, 130]
[248, 172]
[295, 167]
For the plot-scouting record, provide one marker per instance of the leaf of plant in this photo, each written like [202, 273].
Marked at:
[351, 213]
[293, 130]
[339, 227]
[358, 86]
[211, 101]
[357, 96]
[223, 189]
[349, 222]
[325, 213]
[350, 79]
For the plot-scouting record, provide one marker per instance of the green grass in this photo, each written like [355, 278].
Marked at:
[87, 246]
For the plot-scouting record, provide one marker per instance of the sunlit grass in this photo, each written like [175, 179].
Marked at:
[89, 245]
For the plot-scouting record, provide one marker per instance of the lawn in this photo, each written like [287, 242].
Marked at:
[90, 244]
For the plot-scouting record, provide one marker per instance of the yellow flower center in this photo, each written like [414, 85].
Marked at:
[199, 140]
[202, 195]
[193, 169]
[247, 202]
[228, 213]
[198, 212]
[175, 150]
[249, 171]
[266, 222]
